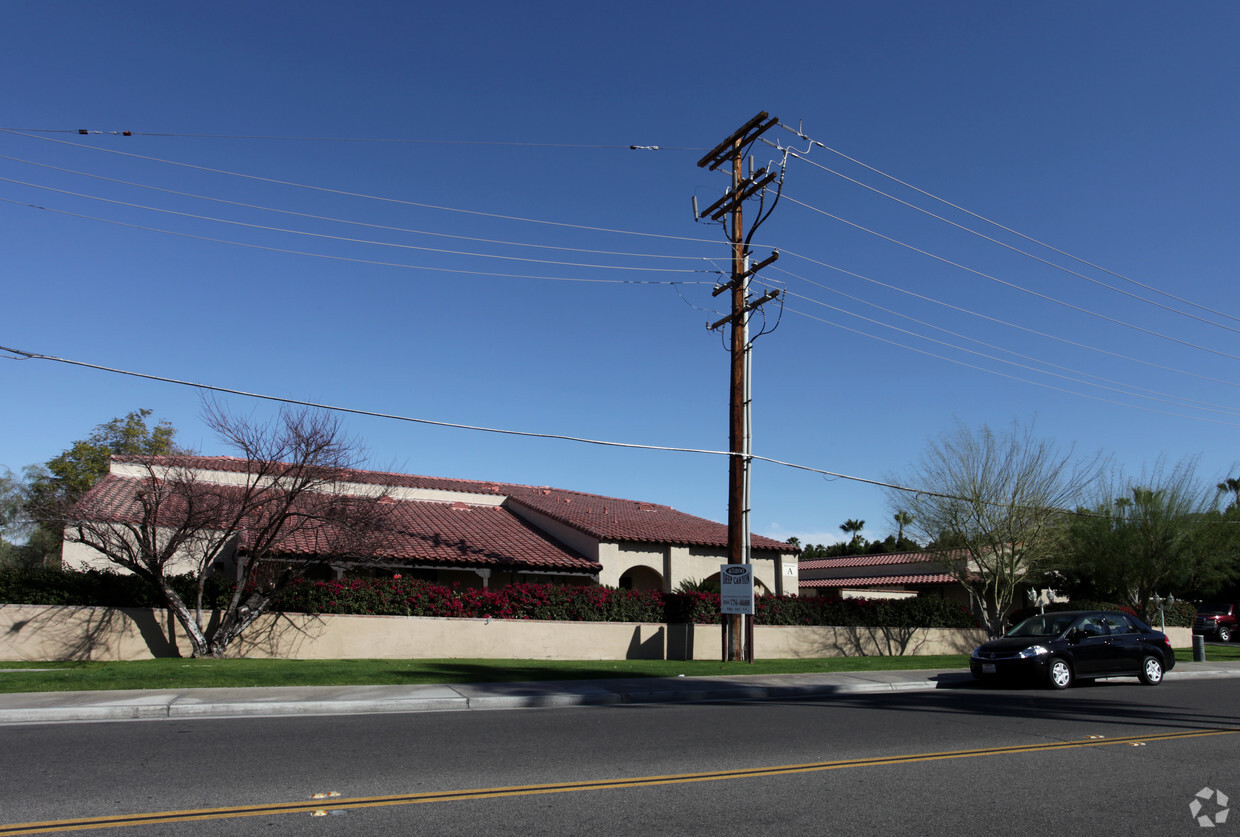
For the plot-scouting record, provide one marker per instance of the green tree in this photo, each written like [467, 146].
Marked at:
[902, 519]
[1231, 486]
[23, 542]
[86, 462]
[12, 508]
[67, 477]
[1161, 533]
[853, 527]
[12, 504]
[1000, 499]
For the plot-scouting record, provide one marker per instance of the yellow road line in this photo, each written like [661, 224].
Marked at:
[309, 806]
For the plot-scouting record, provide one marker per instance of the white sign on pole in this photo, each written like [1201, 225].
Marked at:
[736, 589]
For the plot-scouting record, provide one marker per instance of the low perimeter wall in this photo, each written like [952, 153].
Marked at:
[39, 632]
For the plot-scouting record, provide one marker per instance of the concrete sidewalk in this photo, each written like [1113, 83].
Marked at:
[55, 707]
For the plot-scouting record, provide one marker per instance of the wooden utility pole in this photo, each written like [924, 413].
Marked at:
[737, 629]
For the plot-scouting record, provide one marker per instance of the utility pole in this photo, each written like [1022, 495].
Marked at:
[737, 628]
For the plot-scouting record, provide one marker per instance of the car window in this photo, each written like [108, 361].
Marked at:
[1033, 626]
[1118, 624]
[1046, 625]
[1092, 626]
[1059, 626]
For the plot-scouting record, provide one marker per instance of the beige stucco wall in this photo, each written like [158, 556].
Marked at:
[773, 572]
[38, 632]
[80, 557]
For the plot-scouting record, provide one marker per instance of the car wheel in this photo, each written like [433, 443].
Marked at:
[1151, 673]
[1059, 673]
[1224, 634]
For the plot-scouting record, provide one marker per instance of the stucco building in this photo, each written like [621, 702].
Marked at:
[885, 576]
[488, 533]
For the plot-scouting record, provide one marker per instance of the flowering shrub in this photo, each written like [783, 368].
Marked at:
[407, 597]
[411, 597]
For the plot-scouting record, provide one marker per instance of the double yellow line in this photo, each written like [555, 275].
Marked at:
[311, 806]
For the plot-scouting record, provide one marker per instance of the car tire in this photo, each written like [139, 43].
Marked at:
[1059, 674]
[1224, 634]
[1151, 673]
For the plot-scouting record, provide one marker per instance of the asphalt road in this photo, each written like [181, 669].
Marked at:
[1115, 758]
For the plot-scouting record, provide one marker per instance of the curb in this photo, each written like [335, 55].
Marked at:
[191, 704]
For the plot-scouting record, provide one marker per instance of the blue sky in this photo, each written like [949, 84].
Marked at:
[1106, 130]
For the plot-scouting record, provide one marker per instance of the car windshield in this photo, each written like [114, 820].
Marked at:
[1046, 625]
[1213, 610]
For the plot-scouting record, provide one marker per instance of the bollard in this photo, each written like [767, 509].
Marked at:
[1199, 648]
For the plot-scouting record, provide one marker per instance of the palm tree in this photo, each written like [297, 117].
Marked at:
[902, 519]
[1231, 485]
[854, 528]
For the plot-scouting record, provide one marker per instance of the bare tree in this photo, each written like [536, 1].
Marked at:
[288, 510]
[1001, 498]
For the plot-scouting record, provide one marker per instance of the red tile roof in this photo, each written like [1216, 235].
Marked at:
[871, 560]
[471, 535]
[417, 531]
[603, 518]
[878, 581]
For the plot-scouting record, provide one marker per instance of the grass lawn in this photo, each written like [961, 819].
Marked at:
[190, 673]
[1214, 653]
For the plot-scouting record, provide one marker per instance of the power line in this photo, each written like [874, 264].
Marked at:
[314, 217]
[998, 321]
[1011, 377]
[1017, 233]
[268, 228]
[345, 193]
[1176, 401]
[1016, 287]
[374, 262]
[388, 140]
[19, 354]
[1047, 262]
[23, 355]
[1179, 401]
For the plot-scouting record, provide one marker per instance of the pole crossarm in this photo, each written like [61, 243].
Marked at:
[743, 135]
[737, 635]
[735, 197]
[748, 273]
[762, 300]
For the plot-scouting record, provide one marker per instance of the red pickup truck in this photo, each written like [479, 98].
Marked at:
[1217, 620]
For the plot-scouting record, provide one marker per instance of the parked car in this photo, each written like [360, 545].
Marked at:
[1062, 648]
[1217, 620]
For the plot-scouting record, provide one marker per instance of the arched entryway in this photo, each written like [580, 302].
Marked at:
[641, 578]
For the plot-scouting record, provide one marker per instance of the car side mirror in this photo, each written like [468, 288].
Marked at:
[1076, 634]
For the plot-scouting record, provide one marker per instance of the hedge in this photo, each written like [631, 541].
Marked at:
[96, 588]
[411, 597]
[1179, 615]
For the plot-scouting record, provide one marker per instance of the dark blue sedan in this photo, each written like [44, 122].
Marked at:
[1061, 648]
